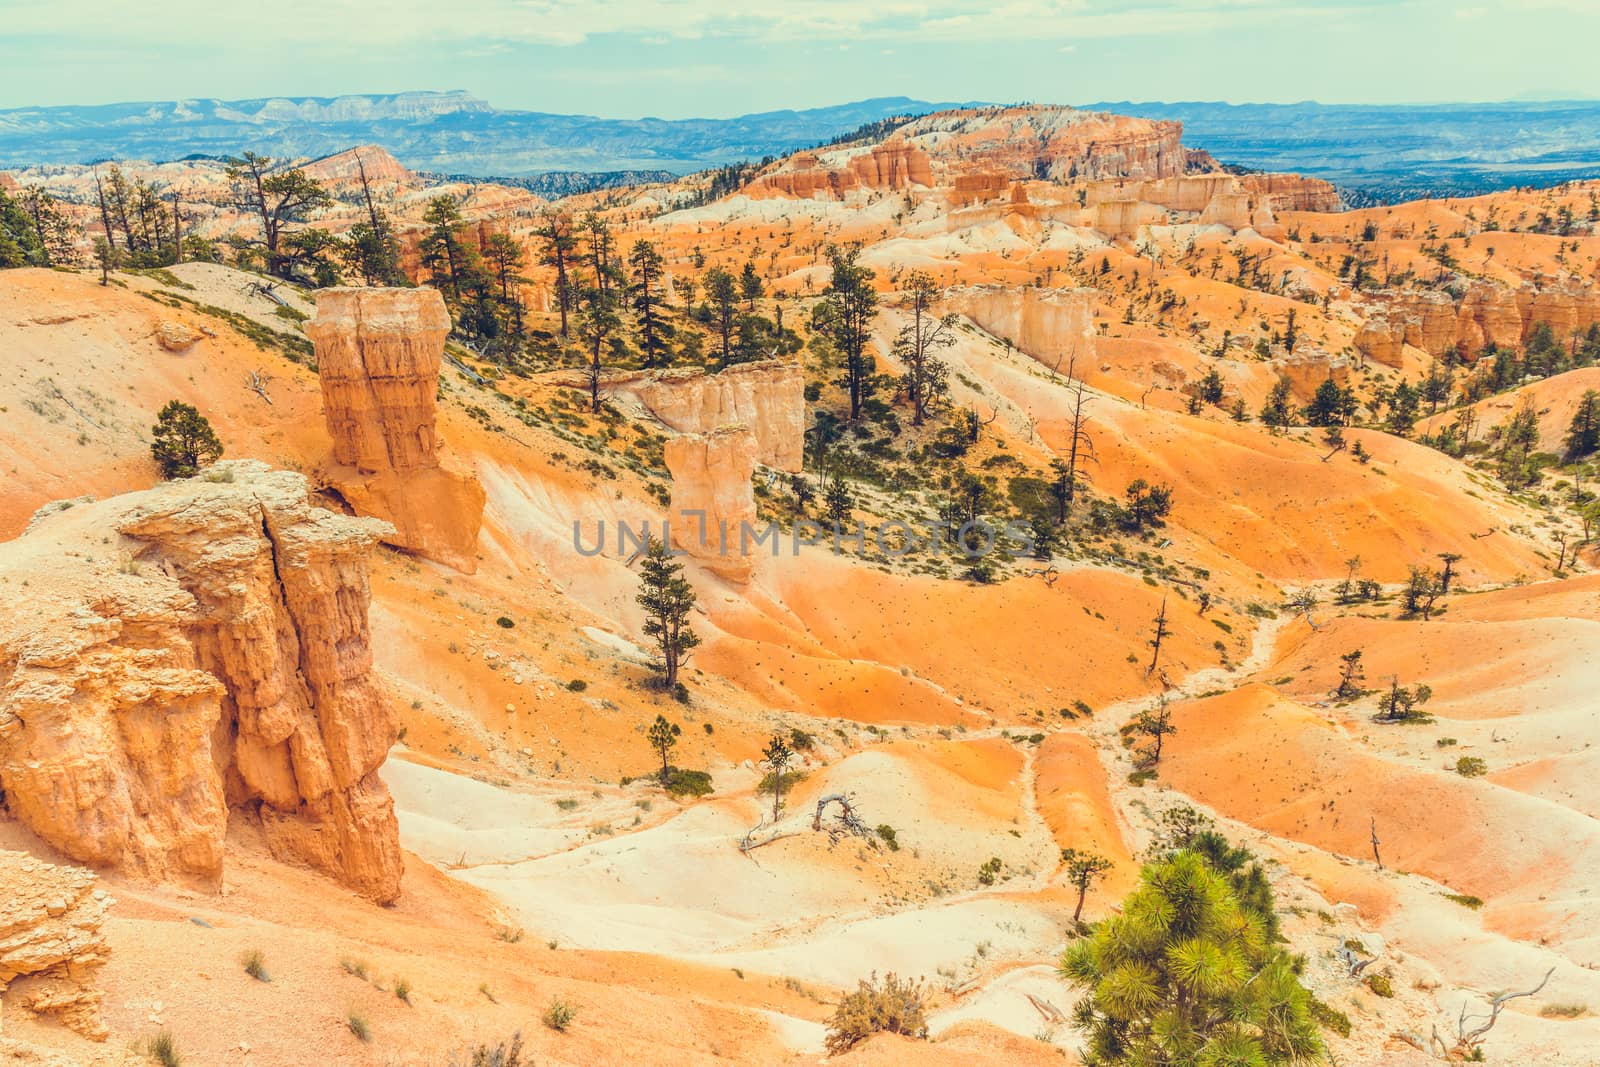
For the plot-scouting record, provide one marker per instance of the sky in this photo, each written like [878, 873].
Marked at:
[684, 58]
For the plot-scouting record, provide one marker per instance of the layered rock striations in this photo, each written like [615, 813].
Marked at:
[1309, 365]
[893, 165]
[1054, 326]
[1292, 192]
[191, 650]
[1485, 314]
[378, 356]
[767, 396]
[713, 498]
[51, 921]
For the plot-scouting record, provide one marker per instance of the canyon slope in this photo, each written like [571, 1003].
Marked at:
[371, 695]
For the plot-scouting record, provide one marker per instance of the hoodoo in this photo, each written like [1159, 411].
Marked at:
[378, 356]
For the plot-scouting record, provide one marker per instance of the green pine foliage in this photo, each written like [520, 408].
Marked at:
[1188, 973]
[182, 441]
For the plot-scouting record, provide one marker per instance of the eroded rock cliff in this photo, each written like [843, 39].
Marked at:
[189, 650]
[768, 397]
[1054, 326]
[1486, 313]
[712, 497]
[50, 935]
[378, 356]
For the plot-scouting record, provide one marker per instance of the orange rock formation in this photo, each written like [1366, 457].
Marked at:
[378, 357]
[1054, 326]
[216, 655]
[712, 496]
[50, 934]
[766, 396]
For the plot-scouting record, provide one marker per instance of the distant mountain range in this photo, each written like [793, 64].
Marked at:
[450, 132]
[1375, 153]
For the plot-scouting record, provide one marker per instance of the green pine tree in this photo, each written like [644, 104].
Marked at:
[1186, 974]
[182, 441]
[667, 599]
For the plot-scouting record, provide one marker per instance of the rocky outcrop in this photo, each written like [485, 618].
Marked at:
[1117, 218]
[712, 497]
[1487, 314]
[1054, 326]
[969, 189]
[51, 935]
[176, 336]
[1227, 209]
[189, 650]
[767, 396]
[1292, 192]
[1309, 365]
[1055, 143]
[893, 165]
[972, 151]
[1382, 339]
[378, 356]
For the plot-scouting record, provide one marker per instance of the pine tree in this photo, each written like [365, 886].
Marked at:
[668, 600]
[844, 315]
[646, 263]
[750, 286]
[722, 292]
[926, 378]
[182, 441]
[560, 247]
[1277, 413]
[1350, 676]
[262, 188]
[1583, 434]
[597, 322]
[663, 737]
[1083, 870]
[1186, 974]
[777, 755]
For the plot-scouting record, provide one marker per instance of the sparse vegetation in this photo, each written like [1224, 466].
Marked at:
[163, 1048]
[255, 965]
[558, 1015]
[359, 1026]
[891, 1006]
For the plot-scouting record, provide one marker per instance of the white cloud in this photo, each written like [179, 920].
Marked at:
[356, 25]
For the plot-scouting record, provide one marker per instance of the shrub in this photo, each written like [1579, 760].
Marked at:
[358, 1025]
[566, 803]
[357, 968]
[682, 783]
[988, 872]
[255, 965]
[895, 1007]
[164, 1050]
[1471, 767]
[1466, 900]
[577, 685]
[558, 1016]
[1380, 985]
[504, 622]
[769, 781]
[402, 989]
[1330, 1018]
[504, 1054]
[887, 833]
[1563, 1011]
